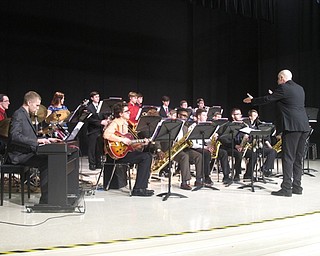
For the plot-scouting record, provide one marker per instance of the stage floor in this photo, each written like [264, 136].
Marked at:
[228, 221]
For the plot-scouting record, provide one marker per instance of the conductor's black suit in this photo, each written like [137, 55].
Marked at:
[294, 124]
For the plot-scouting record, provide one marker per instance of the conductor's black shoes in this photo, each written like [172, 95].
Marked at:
[282, 192]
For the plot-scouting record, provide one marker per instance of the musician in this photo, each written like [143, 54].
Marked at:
[294, 125]
[133, 107]
[266, 149]
[216, 116]
[143, 159]
[238, 150]
[187, 156]
[57, 103]
[164, 109]
[23, 141]
[222, 154]
[139, 99]
[4, 105]
[96, 124]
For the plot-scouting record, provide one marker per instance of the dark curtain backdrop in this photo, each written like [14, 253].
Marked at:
[218, 50]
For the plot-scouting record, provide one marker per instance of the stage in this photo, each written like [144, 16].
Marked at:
[228, 221]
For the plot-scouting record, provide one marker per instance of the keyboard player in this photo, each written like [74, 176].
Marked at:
[23, 141]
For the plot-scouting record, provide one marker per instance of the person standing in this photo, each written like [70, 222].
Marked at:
[96, 123]
[133, 107]
[290, 99]
[164, 109]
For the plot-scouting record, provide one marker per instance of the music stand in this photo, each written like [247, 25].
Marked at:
[148, 124]
[256, 134]
[168, 130]
[312, 114]
[204, 132]
[307, 154]
[105, 106]
[270, 128]
[232, 128]
[213, 110]
[144, 110]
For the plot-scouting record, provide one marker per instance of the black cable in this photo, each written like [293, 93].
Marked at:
[80, 213]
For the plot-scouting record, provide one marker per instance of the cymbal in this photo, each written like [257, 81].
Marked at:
[4, 127]
[41, 114]
[58, 116]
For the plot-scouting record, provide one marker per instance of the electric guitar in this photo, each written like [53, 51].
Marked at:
[117, 150]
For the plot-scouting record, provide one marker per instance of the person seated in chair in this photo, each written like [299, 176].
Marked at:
[117, 131]
[23, 141]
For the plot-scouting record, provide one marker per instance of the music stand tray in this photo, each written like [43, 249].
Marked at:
[203, 131]
[168, 130]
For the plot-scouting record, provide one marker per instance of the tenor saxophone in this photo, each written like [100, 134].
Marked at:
[180, 145]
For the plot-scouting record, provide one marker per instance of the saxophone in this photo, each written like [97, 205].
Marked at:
[180, 145]
[277, 146]
[215, 146]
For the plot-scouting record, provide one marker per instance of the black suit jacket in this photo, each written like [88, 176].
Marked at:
[22, 144]
[290, 99]
[94, 121]
[162, 112]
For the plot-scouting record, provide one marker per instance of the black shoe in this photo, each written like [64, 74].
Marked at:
[198, 183]
[99, 166]
[141, 192]
[227, 181]
[282, 192]
[297, 191]
[236, 177]
[208, 181]
[92, 167]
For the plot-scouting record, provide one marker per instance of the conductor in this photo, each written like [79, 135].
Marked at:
[290, 100]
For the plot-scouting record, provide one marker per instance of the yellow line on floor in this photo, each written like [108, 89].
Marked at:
[156, 236]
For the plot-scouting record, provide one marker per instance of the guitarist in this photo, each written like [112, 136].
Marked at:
[142, 159]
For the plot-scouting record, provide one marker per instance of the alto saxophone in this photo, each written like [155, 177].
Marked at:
[180, 145]
[215, 146]
[277, 147]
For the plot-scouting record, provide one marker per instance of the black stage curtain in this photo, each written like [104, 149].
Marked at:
[218, 50]
[263, 9]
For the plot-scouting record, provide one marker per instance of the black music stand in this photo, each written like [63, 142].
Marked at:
[256, 134]
[213, 110]
[144, 110]
[270, 128]
[312, 114]
[168, 130]
[105, 106]
[232, 128]
[307, 154]
[148, 124]
[203, 131]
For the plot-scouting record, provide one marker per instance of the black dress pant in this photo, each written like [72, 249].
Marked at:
[293, 145]
[143, 160]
